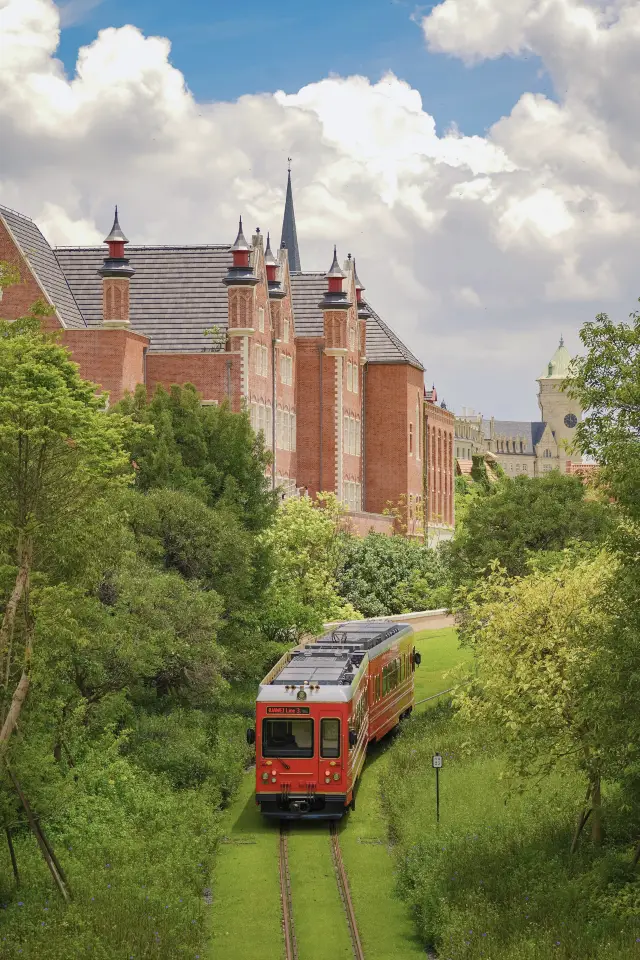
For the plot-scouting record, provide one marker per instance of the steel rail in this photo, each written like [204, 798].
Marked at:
[290, 944]
[345, 893]
[442, 692]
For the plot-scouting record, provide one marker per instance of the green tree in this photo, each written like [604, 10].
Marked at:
[59, 454]
[308, 541]
[607, 383]
[519, 518]
[208, 451]
[382, 575]
[543, 654]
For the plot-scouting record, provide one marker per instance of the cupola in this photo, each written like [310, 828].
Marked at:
[116, 273]
[335, 298]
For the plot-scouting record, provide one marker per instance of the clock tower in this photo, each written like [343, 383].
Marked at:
[560, 411]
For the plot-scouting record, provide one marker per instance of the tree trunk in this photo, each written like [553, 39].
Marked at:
[11, 609]
[596, 820]
[19, 696]
[582, 819]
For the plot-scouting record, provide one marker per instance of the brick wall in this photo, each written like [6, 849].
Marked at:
[440, 429]
[309, 359]
[210, 373]
[363, 523]
[111, 358]
[19, 297]
[391, 470]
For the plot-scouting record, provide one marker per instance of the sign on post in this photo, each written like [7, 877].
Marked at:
[436, 763]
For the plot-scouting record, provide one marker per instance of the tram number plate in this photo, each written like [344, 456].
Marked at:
[288, 711]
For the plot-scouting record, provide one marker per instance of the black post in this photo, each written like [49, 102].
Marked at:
[437, 795]
[14, 862]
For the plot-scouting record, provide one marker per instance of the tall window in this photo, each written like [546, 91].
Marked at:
[356, 378]
[349, 375]
[410, 439]
[285, 331]
[261, 319]
[418, 418]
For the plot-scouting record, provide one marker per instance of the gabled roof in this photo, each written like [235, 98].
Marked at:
[530, 431]
[44, 265]
[175, 295]
[383, 346]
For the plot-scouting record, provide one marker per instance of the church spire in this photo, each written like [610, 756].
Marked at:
[289, 234]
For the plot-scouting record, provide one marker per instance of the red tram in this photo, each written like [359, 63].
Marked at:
[319, 708]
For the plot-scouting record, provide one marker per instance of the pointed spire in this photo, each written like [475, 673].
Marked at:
[334, 269]
[289, 233]
[240, 242]
[359, 285]
[363, 310]
[116, 235]
[561, 340]
[269, 258]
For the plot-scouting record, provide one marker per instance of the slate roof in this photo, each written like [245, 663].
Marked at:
[175, 294]
[44, 265]
[383, 346]
[530, 431]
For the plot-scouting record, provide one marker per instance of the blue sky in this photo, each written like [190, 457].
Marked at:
[227, 50]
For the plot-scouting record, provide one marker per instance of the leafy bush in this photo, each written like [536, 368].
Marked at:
[383, 575]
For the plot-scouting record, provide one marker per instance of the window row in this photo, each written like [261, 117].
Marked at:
[286, 369]
[392, 676]
[261, 359]
[353, 495]
[352, 435]
[352, 377]
[285, 430]
[260, 416]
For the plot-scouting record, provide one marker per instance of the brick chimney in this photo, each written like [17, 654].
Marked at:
[334, 305]
[240, 282]
[116, 273]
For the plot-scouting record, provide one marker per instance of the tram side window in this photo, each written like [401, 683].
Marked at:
[330, 737]
[287, 738]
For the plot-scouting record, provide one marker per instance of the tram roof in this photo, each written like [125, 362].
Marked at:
[336, 659]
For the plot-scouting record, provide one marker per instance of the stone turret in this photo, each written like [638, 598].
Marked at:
[116, 273]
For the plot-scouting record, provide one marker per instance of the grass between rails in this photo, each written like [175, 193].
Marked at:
[495, 880]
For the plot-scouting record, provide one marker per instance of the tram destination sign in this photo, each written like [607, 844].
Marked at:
[288, 711]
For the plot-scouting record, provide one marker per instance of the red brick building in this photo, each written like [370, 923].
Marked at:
[439, 431]
[339, 397]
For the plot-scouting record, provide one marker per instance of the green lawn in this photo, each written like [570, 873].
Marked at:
[245, 919]
[440, 656]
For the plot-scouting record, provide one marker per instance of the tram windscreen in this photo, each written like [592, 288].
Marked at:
[287, 738]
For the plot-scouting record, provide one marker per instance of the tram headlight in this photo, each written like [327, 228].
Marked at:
[265, 776]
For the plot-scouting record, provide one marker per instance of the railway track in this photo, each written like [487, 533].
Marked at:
[290, 943]
[345, 894]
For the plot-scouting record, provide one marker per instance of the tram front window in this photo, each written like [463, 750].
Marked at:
[287, 738]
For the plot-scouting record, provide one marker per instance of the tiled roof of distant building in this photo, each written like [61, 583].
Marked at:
[44, 265]
[530, 431]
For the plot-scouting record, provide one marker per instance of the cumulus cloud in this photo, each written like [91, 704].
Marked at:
[477, 250]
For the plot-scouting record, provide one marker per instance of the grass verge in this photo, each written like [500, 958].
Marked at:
[245, 920]
[441, 655]
[495, 879]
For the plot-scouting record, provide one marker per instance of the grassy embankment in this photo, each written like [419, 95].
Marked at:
[495, 880]
[245, 919]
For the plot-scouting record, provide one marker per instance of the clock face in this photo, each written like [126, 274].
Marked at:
[570, 420]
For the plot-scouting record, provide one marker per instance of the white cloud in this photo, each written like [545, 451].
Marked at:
[76, 11]
[477, 250]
